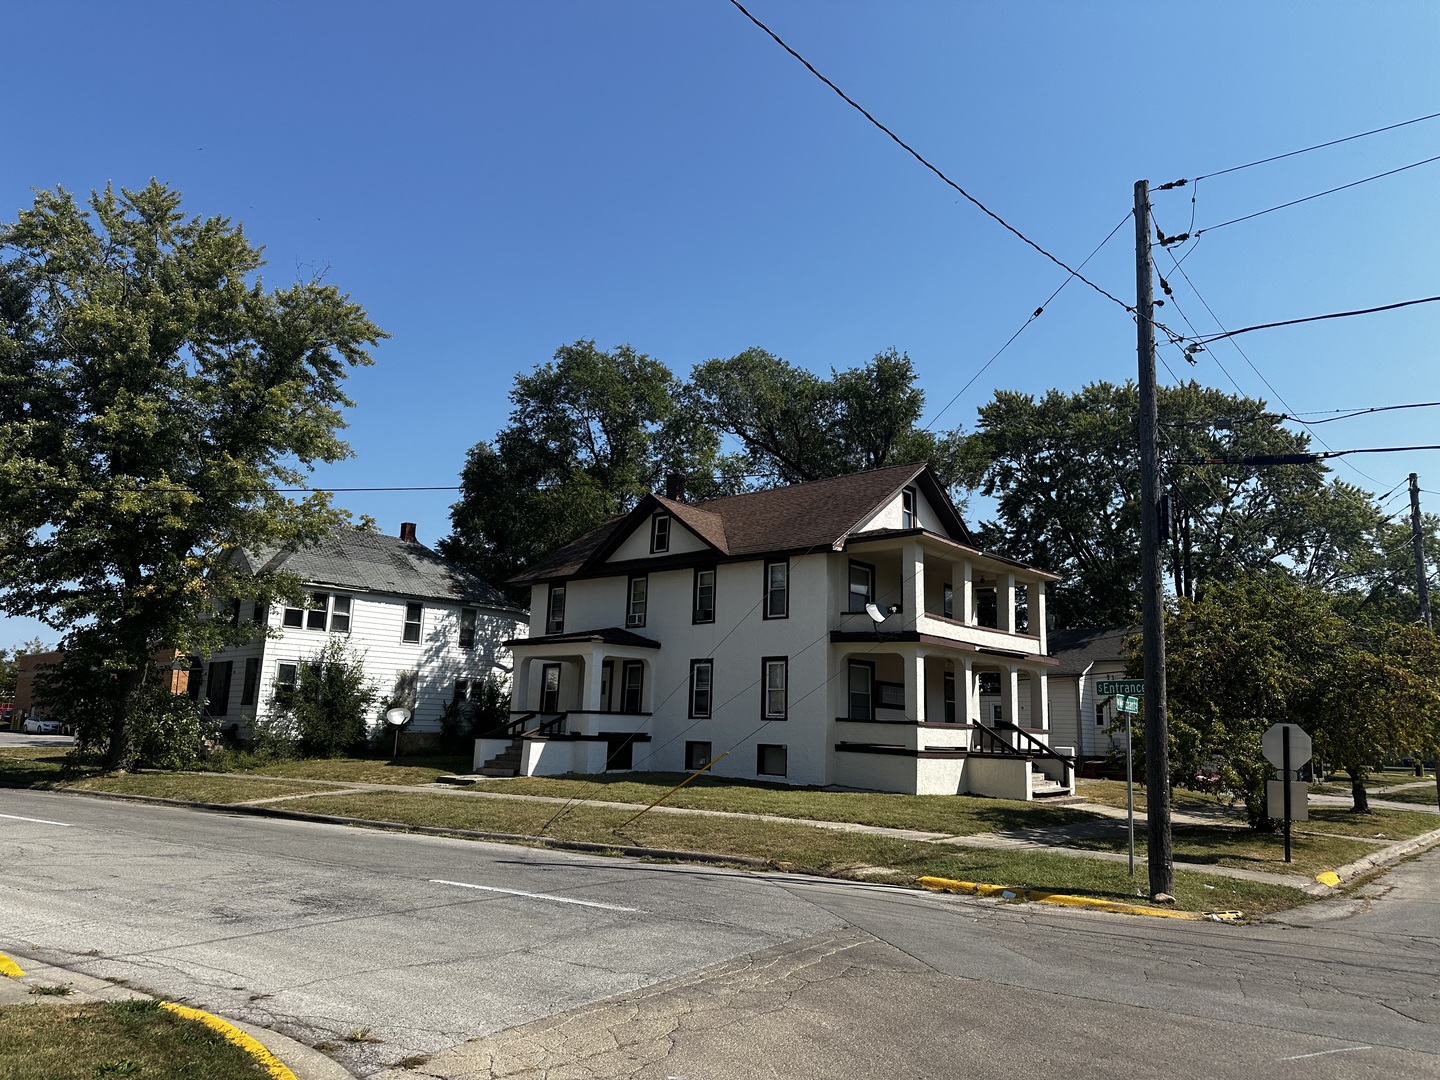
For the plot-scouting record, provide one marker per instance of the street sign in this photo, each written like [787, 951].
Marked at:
[1120, 686]
[1275, 800]
[1126, 703]
[1273, 744]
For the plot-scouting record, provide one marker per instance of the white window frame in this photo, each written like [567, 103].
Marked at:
[418, 622]
[770, 685]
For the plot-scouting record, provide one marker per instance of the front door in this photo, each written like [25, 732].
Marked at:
[607, 681]
[550, 688]
[862, 694]
[633, 695]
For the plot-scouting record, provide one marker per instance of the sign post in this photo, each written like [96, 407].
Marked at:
[1287, 747]
[1127, 703]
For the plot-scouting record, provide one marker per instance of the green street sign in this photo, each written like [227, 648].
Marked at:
[1125, 703]
[1120, 686]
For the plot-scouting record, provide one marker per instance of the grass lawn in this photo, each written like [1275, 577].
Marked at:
[958, 815]
[118, 1038]
[1420, 796]
[31, 766]
[210, 789]
[1112, 793]
[408, 770]
[803, 848]
[1218, 845]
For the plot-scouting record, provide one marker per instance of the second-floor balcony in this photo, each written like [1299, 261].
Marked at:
[930, 586]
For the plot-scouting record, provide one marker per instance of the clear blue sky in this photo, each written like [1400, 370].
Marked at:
[491, 180]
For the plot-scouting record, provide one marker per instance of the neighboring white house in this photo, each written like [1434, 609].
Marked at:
[739, 626]
[427, 630]
[1079, 715]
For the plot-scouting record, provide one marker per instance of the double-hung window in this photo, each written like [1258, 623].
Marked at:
[659, 534]
[774, 683]
[632, 690]
[414, 615]
[285, 676]
[702, 677]
[467, 627]
[948, 689]
[777, 589]
[907, 508]
[635, 609]
[704, 608]
[555, 619]
[947, 601]
[294, 617]
[862, 585]
[319, 606]
[340, 614]
[862, 690]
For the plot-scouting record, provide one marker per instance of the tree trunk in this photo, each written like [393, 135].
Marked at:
[1360, 797]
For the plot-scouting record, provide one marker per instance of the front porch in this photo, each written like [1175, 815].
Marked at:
[580, 704]
[910, 720]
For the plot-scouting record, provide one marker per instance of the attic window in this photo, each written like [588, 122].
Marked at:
[659, 534]
[907, 508]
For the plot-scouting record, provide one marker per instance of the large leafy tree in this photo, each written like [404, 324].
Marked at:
[590, 433]
[1266, 648]
[795, 426]
[1064, 471]
[156, 395]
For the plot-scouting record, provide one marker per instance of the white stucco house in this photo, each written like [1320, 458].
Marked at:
[428, 631]
[1080, 715]
[736, 631]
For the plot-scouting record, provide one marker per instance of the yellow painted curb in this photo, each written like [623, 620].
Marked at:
[9, 967]
[273, 1065]
[1329, 877]
[1005, 893]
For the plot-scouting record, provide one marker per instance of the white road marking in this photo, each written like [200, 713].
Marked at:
[1322, 1053]
[38, 821]
[537, 896]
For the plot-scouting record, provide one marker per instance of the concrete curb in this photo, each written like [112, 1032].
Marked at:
[1393, 854]
[250, 810]
[1004, 892]
[283, 1057]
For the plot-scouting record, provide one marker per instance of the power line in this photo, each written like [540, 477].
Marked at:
[1361, 412]
[1293, 153]
[925, 162]
[1308, 198]
[1314, 318]
[1033, 316]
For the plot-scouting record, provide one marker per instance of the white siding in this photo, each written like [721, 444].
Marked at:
[637, 544]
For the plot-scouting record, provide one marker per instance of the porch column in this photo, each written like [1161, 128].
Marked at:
[1039, 710]
[1005, 604]
[912, 583]
[915, 685]
[1037, 612]
[965, 597]
[971, 713]
[590, 686]
[1010, 694]
[520, 687]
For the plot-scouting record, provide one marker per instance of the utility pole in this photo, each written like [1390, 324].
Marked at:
[1161, 857]
[1422, 588]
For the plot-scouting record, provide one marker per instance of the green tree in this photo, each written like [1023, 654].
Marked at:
[589, 435]
[157, 395]
[1064, 471]
[796, 426]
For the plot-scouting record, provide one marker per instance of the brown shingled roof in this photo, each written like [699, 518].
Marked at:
[817, 514]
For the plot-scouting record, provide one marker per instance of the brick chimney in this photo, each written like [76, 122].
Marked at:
[675, 486]
[407, 532]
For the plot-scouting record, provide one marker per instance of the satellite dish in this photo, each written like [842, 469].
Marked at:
[876, 615]
[397, 716]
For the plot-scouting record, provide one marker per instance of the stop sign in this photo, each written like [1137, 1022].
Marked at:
[1273, 743]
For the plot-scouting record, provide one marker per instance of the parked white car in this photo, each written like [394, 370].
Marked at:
[38, 725]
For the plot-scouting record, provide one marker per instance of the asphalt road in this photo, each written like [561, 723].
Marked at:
[565, 965]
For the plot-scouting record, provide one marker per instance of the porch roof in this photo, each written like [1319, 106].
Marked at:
[610, 635]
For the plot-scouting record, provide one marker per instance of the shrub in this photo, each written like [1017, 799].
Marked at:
[328, 713]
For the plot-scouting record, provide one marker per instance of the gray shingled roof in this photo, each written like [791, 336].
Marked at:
[352, 558]
[1079, 648]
